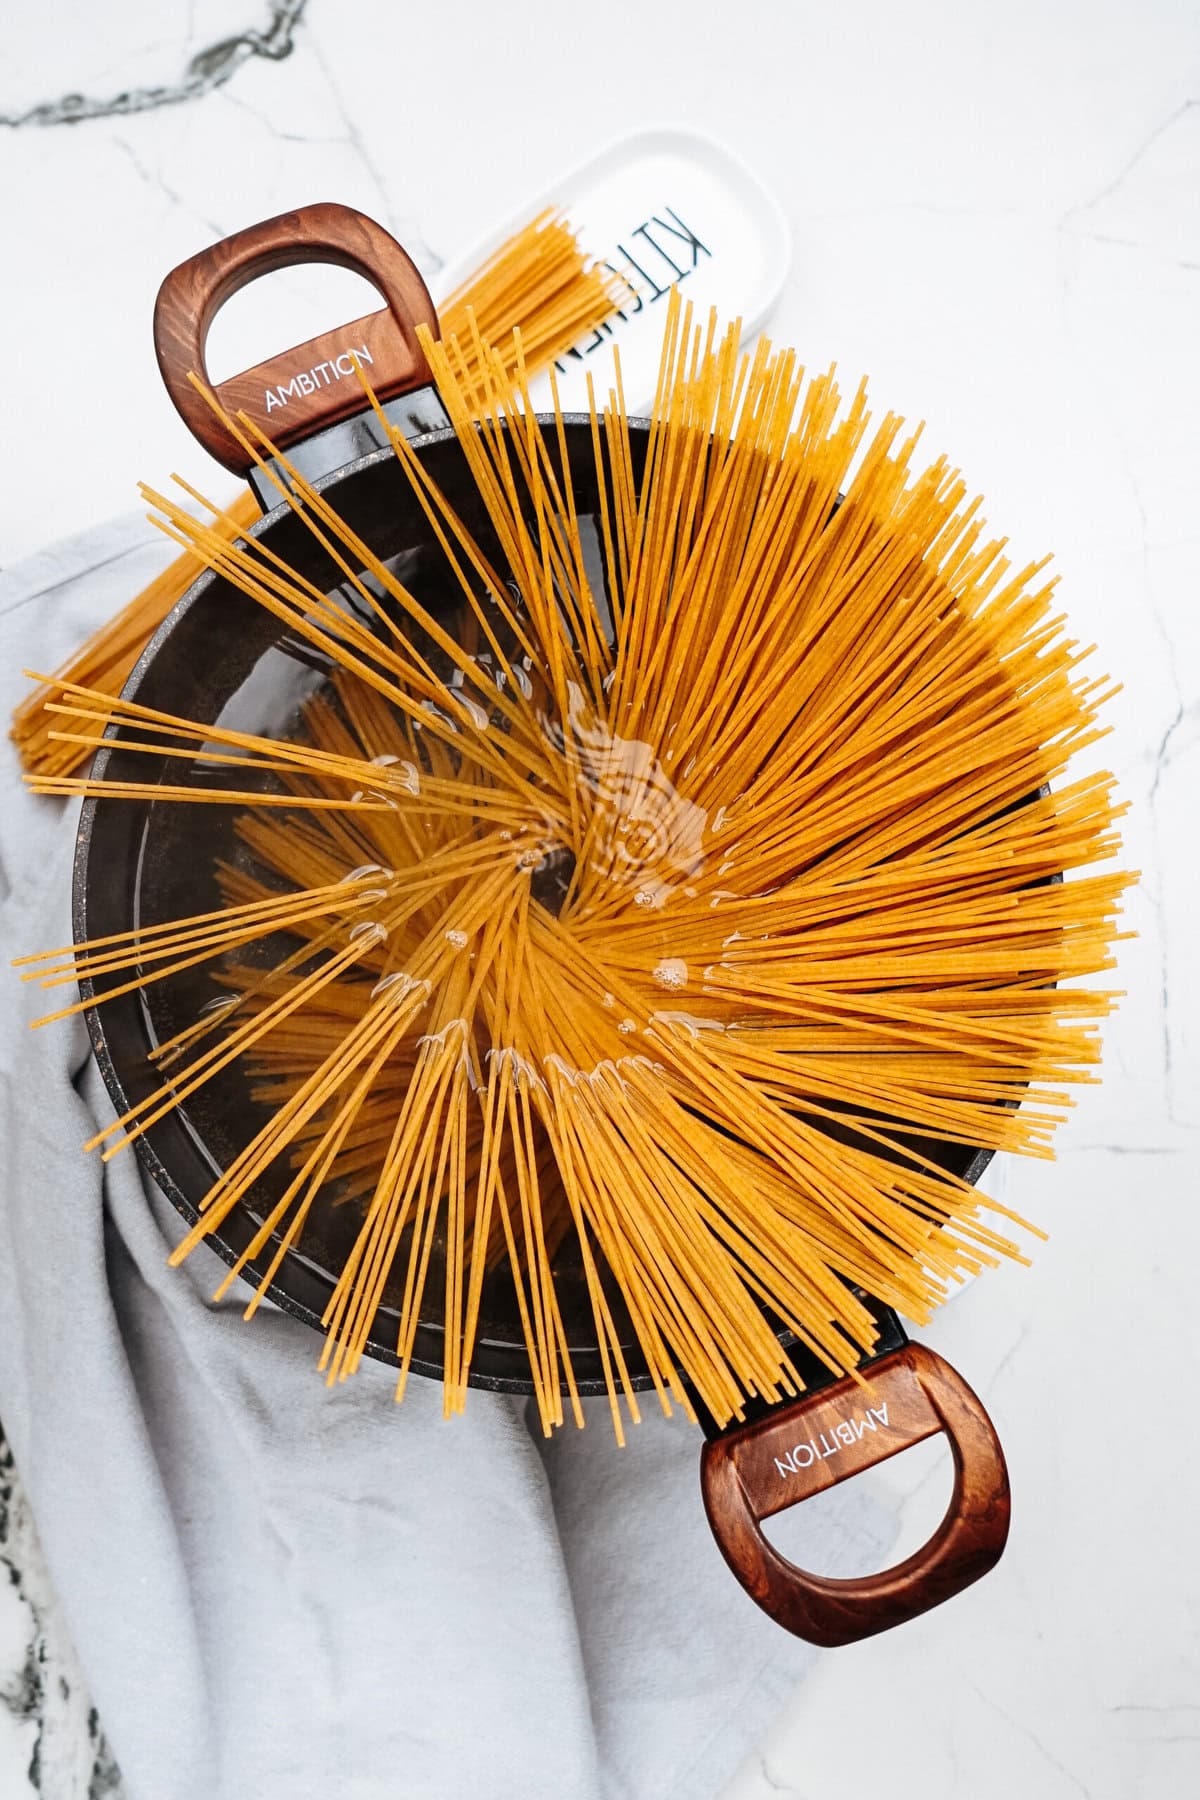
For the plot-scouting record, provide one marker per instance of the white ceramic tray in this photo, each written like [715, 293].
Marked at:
[664, 207]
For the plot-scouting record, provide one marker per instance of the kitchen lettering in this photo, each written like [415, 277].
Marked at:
[661, 252]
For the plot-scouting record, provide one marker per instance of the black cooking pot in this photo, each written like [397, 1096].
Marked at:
[221, 658]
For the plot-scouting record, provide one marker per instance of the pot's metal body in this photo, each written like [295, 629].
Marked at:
[219, 656]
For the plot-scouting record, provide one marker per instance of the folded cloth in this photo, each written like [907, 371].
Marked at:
[285, 1592]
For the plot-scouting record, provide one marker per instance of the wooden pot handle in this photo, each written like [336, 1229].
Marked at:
[313, 385]
[756, 1470]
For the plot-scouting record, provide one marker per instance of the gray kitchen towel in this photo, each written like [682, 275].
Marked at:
[282, 1593]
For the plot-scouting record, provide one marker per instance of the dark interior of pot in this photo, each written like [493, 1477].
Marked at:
[221, 658]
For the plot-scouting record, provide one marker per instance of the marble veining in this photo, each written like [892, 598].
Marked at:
[207, 69]
[51, 1742]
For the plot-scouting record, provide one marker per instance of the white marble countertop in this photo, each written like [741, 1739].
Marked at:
[996, 214]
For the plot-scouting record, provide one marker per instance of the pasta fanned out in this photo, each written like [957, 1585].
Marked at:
[674, 909]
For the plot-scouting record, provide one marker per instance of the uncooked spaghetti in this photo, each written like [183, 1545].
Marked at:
[670, 907]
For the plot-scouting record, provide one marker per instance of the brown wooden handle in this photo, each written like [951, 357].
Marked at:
[314, 384]
[756, 1470]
